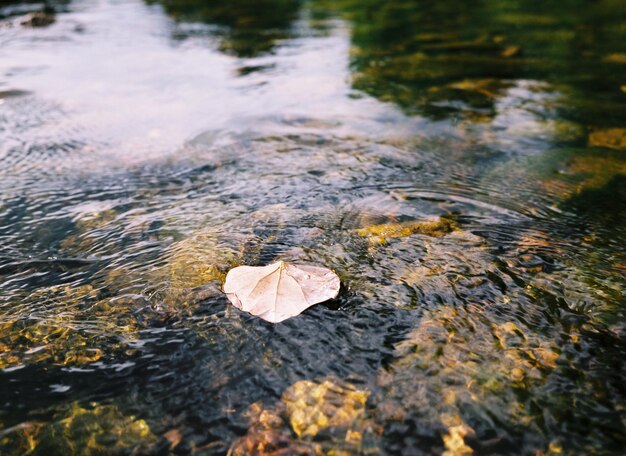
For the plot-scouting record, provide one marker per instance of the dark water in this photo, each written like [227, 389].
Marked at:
[147, 148]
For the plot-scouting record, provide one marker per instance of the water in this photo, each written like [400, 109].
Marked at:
[147, 148]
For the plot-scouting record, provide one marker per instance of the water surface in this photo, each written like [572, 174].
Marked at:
[148, 147]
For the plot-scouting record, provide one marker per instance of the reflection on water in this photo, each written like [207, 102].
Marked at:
[460, 166]
[245, 28]
[429, 57]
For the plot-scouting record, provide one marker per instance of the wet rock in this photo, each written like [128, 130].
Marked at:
[526, 262]
[39, 19]
[268, 435]
[448, 269]
[598, 297]
[564, 176]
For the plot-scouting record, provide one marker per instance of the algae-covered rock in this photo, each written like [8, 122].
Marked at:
[491, 88]
[271, 442]
[269, 435]
[21, 439]
[88, 236]
[32, 342]
[448, 269]
[460, 359]
[379, 234]
[80, 431]
[313, 418]
[511, 51]
[188, 271]
[591, 172]
[612, 138]
[69, 326]
[196, 260]
[314, 406]
[598, 297]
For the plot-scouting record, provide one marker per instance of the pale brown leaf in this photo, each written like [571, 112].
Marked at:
[280, 290]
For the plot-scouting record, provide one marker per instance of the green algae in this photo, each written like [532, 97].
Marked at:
[80, 430]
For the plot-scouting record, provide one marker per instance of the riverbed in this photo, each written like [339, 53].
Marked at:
[146, 148]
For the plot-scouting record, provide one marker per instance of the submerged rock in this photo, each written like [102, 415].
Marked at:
[458, 361]
[314, 406]
[379, 234]
[190, 268]
[612, 138]
[313, 418]
[72, 326]
[94, 429]
[268, 435]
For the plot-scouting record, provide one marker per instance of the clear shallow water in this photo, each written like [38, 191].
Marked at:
[147, 148]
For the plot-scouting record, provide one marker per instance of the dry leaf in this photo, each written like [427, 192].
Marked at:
[280, 290]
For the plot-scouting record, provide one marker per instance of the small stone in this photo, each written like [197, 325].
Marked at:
[38, 19]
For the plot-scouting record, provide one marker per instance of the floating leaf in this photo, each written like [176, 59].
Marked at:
[280, 290]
